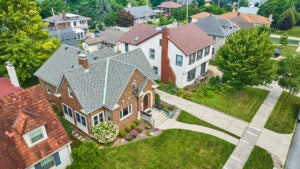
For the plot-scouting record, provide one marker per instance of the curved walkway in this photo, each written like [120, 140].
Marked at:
[173, 124]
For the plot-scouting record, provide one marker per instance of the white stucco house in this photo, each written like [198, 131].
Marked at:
[180, 54]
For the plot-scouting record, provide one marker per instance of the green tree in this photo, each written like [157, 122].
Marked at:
[213, 9]
[87, 155]
[290, 74]
[276, 8]
[23, 41]
[284, 39]
[245, 58]
[47, 5]
[111, 19]
[125, 18]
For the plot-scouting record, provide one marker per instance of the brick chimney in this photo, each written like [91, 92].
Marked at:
[166, 69]
[82, 59]
[12, 74]
[64, 15]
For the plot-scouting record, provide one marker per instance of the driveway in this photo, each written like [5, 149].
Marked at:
[293, 161]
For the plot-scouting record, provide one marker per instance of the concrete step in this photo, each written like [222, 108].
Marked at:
[159, 119]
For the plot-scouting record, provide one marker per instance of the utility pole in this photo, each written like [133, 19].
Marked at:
[187, 10]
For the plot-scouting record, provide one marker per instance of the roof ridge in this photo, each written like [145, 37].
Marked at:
[105, 81]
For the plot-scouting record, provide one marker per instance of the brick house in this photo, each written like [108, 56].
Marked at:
[91, 88]
[167, 7]
[31, 135]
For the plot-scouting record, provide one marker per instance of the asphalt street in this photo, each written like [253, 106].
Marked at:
[293, 159]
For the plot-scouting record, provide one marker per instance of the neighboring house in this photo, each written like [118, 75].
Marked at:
[185, 2]
[244, 20]
[66, 36]
[79, 24]
[141, 14]
[167, 7]
[248, 10]
[92, 88]
[108, 38]
[186, 51]
[169, 51]
[256, 3]
[199, 16]
[219, 29]
[31, 135]
[148, 38]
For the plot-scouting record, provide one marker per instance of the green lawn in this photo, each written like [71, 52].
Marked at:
[283, 116]
[295, 31]
[186, 117]
[286, 50]
[172, 149]
[259, 159]
[229, 101]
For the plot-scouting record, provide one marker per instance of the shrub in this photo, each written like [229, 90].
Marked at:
[138, 122]
[148, 126]
[105, 132]
[128, 128]
[122, 133]
[139, 130]
[130, 136]
[133, 125]
[157, 98]
[148, 133]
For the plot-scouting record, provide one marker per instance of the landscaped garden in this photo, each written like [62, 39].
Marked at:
[259, 159]
[186, 117]
[243, 104]
[283, 116]
[172, 149]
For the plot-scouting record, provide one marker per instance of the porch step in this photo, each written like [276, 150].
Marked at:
[160, 118]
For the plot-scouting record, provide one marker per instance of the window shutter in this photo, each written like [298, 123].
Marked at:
[56, 158]
[38, 166]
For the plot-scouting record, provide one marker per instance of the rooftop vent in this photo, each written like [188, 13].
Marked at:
[136, 38]
[78, 52]
[95, 57]
[66, 47]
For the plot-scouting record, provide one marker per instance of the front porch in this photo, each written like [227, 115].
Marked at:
[155, 116]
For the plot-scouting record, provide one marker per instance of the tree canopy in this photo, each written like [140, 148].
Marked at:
[125, 19]
[245, 58]
[290, 74]
[23, 41]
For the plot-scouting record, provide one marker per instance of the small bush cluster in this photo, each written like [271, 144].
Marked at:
[148, 133]
[139, 130]
[131, 135]
[105, 132]
[128, 128]
[137, 122]
[122, 133]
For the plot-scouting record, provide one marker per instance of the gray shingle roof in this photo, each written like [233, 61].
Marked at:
[106, 80]
[140, 11]
[58, 18]
[67, 36]
[214, 25]
[65, 58]
[250, 10]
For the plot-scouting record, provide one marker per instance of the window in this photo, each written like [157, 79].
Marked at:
[98, 118]
[192, 58]
[80, 119]
[207, 51]
[126, 47]
[36, 136]
[70, 92]
[74, 23]
[108, 116]
[155, 68]
[125, 112]
[199, 54]
[214, 37]
[152, 53]
[49, 162]
[191, 75]
[178, 60]
[68, 110]
[159, 42]
[213, 51]
[48, 88]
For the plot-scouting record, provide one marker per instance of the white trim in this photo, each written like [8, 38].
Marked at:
[70, 92]
[68, 117]
[130, 112]
[27, 137]
[98, 117]
[48, 88]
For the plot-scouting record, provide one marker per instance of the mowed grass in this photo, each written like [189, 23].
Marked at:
[286, 50]
[180, 149]
[295, 32]
[186, 117]
[243, 106]
[259, 159]
[283, 116]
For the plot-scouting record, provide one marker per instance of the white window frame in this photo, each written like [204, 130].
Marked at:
[28, 138]
[80, 118]
[206, 51]
[152, 53]
[122, 112]
[199, 54]
[108, 112]
[48, 158]
[67, 110]
[98, 118]
[70, 92]
[155, 69]
[179, 56]
[48, 88]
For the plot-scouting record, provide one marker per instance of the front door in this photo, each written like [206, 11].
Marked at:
[145, 102]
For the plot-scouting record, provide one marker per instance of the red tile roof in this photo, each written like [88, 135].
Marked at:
[6, 87]
[169, 4]
[21, 112]
[190, 38]
[139, 33]
[251, 18]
